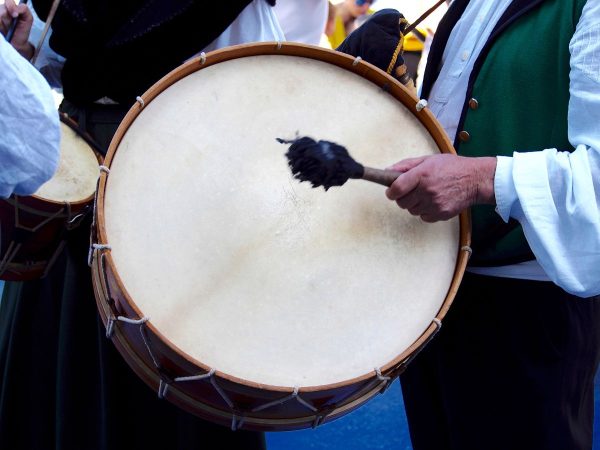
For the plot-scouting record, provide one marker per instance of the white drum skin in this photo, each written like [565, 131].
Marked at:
[77, 173]
[241, 269]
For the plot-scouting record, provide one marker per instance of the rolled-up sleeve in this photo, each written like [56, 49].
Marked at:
[555, 195]
[29, 126]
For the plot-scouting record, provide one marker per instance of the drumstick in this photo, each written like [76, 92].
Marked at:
[423, 16]
[47, 25]
[327, 164]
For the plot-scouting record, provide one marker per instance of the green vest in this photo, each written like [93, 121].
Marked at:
[518, 102]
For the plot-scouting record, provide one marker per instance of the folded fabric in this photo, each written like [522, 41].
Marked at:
[379, 41]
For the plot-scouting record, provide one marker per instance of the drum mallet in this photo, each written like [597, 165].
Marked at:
[327, 164]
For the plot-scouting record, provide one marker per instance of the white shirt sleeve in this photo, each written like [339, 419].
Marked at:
[29, 126]
[556, 195]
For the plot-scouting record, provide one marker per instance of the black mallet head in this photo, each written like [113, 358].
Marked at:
[322, 163]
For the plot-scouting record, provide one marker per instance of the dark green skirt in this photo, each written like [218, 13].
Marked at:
[63, 385]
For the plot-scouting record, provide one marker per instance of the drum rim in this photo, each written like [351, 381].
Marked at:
[344, 61]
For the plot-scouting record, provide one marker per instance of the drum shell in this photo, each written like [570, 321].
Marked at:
[157, 362]
[48, 223]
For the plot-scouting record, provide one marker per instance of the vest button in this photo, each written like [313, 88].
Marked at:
[464, 136]
[473, 103]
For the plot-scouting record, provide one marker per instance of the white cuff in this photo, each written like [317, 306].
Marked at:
[504, 187]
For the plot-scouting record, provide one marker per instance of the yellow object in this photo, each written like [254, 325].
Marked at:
[411, 42]
[339, 33]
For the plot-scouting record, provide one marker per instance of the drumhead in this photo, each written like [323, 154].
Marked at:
[77, 174]
[250, 272]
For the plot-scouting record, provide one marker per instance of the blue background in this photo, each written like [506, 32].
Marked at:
[380, 424]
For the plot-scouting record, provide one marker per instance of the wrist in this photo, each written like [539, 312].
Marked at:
[25, 50]
[485, 184]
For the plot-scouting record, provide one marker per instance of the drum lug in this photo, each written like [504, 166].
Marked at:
[387, 380]
[164, 383]
[321, 416]
[237, 421]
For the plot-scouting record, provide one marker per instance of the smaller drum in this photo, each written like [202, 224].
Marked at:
[33, 229]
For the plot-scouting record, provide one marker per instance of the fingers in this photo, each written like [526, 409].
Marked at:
[442, 186]
[10, 11]
[404, 184]
[409, 202]
[23, 10]
[403, 191]
[429, 218]
[24, 23]
[414, 189]
[20, 11]
[5, 19]
[406, 164]
[12, 8]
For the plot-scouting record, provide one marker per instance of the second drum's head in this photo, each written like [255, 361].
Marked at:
[77, 173]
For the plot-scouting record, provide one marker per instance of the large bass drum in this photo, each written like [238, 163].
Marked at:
[236, 292]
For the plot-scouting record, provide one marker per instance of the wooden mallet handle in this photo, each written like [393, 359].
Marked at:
[384, 177]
